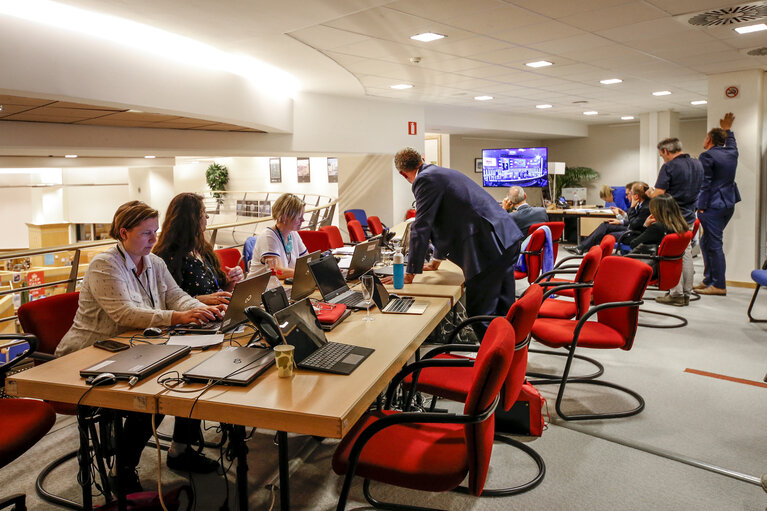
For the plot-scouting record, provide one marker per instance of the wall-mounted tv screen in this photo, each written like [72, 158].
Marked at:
[522, 166]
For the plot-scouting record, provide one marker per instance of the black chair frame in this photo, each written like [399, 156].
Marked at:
[751, 318]
[682, 321]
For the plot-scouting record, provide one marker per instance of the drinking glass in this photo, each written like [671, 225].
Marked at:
[367, 294]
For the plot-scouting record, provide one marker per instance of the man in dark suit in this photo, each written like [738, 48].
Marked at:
[523, 214]
[716, 202]
[466, 226]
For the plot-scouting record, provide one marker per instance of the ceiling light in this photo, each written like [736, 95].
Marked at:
[751, 28]
[661, 93]
[401, 86]
[427, 37]
[610, 81]
[627, 118]
[591, 112]
[150, 157]
[483, 98]
[539, 63]
[542, 106]
[70, 156]
[699, 102]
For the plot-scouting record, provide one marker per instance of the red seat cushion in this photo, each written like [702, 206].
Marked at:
[23, 422]
[518, 275]
[556, 333]
[561, 309]
[448, 382]
[430, 457]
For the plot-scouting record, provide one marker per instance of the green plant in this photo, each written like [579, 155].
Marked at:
[217, 176]
[576, 176]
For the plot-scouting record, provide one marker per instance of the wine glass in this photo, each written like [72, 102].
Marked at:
[367, 294]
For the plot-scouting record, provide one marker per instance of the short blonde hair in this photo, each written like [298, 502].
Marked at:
[287, 206]
[129, 215]
[605, 193]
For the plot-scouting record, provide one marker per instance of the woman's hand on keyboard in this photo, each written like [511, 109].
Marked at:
[199, 315]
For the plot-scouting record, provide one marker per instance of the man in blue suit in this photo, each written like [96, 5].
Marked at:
[466, 226]
[523, 214]
[716, 202]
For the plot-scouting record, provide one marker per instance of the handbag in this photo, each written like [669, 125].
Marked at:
[526, 415]
[150, 500]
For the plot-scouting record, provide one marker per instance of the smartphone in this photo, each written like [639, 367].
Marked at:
[111, 345]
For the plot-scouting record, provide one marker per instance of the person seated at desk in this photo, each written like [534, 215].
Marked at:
[523, 214]
[196, 269]
[631, 222]
[279, 247]
[606, 194]
[126, 288]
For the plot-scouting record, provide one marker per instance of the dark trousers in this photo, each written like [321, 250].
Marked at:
[137, 430]
[713, 222]
[491, 292]
[595, 238]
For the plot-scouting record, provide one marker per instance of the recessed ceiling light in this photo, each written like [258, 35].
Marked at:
[699, 102]
[751, 28]
[627, 118]
[610, 81]
[70, 156]
[539, 63]
[150, 157]
[661, 93]
[483, 98]
[591, 112]
[401, 86]
[427, 37]
[542, 106]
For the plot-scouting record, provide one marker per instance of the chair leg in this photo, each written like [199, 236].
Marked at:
[18, 500]
[751, 306]
[48, 496]
[379, 504]
[694, 296]
[600, 368]
[682, 321]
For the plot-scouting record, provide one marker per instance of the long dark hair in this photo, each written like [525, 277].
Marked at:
[182, 235]
[667, 212]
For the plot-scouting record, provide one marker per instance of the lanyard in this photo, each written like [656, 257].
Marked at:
[147, 292]
[288, 250]
[212, 274]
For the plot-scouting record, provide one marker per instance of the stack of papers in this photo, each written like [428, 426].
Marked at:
[196, 341]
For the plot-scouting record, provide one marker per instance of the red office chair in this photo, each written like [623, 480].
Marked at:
[349, 216]
[375, 225]
[334, 235]
[454, 382]
[557, 230]
[533, 255]
[410, 213]
[668, 261]
[616, 309]
[49, 319]
[230, 257]
[607, 245]
[315, 240]
[356, 234]
[694, 295]
[432, 451]
[23, 422]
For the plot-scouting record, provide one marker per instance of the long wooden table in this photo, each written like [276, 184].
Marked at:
[586, 219]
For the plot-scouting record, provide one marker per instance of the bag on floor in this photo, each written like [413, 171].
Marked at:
[526, 416]
[446, 327]
[150, 500]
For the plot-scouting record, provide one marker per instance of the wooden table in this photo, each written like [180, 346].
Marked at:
[587, 219]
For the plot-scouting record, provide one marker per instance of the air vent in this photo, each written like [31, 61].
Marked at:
[729, 16]
[758, 52]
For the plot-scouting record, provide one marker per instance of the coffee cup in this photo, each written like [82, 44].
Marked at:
[284, 359]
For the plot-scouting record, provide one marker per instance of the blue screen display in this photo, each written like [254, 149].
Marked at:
[524, 166]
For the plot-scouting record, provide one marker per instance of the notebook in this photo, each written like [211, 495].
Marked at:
[300, 327]
[397, 305]
[137, 362]
[332, 284]
[303, 282]
[233, 365]
[363, 259]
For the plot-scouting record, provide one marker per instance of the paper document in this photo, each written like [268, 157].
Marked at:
[340, 251]
[196, 341]
[345, 262]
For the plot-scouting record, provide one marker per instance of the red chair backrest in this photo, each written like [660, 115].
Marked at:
[534, 260]
[586, 273]
[229, 258]
[557, 230]
[49, 319]
[670, 271]
[349, 216]
[334, 235]
[521, 315]
[490, 369]
[621, 279]
[375, 225]
[356, 234]
[410, 214]
[607, 245]
[315, 240]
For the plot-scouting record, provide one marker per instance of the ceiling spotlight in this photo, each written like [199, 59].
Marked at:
[401, 86]
[70, 156]
[751, 28]
[661, 93]
[591, 112]
[627, 118]
[610, 81]
[427, 37]
[539, 63]
[699, 102]
[150, 157]
[483, 98]
[542, 106]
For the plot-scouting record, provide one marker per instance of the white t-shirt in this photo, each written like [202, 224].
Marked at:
[270, 244]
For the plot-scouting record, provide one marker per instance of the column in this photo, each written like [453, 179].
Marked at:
[654, 127]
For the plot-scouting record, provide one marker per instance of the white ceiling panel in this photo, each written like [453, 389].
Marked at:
[442, 10]
[393, 25]
[676, 7]
[563, 8]
[495, 21]
[327, 38]
[572, 44]
[603, 18]
[470, 46]
[644, 30]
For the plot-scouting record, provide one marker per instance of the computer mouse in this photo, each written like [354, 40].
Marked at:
[152, 331]
[101, 379]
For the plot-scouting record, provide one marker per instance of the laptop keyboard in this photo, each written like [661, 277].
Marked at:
[399, 305]
[327, 356]
[355, 298]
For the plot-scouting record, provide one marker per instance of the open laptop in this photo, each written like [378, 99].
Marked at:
[303, 282]
[245, 293]
[233, 365]
[397, 305]
[362, 260]
[300, 327]
[137, 362]
[332, 284]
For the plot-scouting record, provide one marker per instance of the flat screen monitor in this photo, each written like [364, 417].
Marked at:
[522, 166]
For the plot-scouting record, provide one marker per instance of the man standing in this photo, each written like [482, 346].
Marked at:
[523, 213]
[681, 177]
[716, 202]
[467, 226]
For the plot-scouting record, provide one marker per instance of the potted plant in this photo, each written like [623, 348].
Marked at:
[575, 176]
[217, 176]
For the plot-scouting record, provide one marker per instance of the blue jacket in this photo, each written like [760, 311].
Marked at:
[719, 189]
[463, 221]
[526, 215]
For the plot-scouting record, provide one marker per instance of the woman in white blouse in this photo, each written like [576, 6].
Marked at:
[278, 247]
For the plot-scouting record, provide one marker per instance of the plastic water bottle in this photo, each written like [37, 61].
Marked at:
[575, 199]
[399, 269]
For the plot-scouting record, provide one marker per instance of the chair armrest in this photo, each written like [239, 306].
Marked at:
[30, 339]
[568, 258]
[416, 367]
[531, 252]
[42, 357]
[560, 287]
[597, 308]
[555, 271]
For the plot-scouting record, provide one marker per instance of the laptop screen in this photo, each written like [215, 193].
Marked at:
[245, 293]
[301, 328]
[381, 295]
[303, 282]
[328, 276]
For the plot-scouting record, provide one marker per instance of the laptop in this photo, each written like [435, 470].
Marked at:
[245, 293]
[404, 245]
[233, 365]
[303, 282]
[300, 327]
[397, 305]
[332, 284]
[362, 260]
[137, 362]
